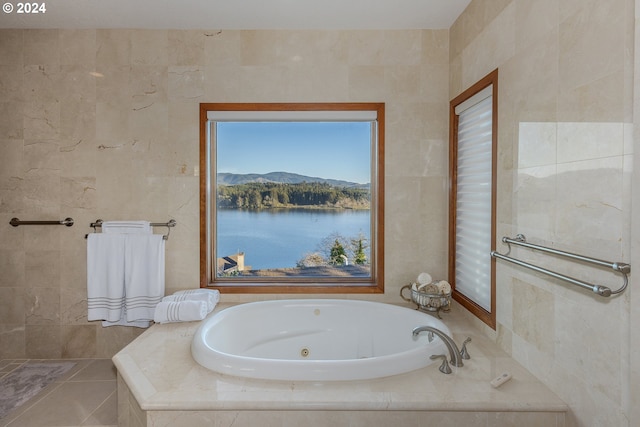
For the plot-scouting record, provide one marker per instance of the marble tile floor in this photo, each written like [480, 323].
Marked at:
[84, 396]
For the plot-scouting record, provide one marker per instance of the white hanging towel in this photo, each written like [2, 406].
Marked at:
[123, 322]
[125, 273]
[105, 276]
[127, 227]
[143, 275]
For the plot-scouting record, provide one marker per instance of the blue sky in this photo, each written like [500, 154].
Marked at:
[335, 150]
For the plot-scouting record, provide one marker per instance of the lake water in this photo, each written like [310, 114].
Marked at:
[278, 238]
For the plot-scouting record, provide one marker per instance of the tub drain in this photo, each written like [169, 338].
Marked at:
[304, 352]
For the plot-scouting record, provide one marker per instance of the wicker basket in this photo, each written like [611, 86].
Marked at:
[428, 302]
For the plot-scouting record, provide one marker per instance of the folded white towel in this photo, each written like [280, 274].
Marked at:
[214, 292]
[105, 276]
[208, 297]
[127, 227]
[144, 275]
[180, 311]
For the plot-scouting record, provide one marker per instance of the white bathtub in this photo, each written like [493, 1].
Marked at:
[315, 340]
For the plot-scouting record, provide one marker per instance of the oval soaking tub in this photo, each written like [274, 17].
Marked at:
[315, 340]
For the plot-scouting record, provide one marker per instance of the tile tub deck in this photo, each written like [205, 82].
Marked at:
[159, 384]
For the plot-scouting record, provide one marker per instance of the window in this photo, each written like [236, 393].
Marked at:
[472, 198]
[292, 197]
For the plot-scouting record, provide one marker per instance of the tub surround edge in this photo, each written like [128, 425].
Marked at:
[161, 375]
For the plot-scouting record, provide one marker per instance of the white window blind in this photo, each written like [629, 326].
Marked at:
[473, 199]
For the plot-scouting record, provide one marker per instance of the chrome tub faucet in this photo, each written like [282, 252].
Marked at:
[454, 352]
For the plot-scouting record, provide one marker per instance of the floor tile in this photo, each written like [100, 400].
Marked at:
[97, 370]
[68, 405]
[106, 414]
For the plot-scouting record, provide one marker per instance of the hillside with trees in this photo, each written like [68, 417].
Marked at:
[225, 178]
[261, 195]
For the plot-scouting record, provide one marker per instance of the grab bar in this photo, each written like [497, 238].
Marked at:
[16, 222]
[604, 291]
[521, 240]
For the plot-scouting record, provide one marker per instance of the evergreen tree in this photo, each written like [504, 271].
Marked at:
[255, 199]
[338, 254]
[360, 256]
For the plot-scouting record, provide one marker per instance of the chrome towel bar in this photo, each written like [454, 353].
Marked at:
[169, 224]
[16, 222]
[604, 291]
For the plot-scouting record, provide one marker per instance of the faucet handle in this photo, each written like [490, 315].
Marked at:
[463, 352]
[444, 367]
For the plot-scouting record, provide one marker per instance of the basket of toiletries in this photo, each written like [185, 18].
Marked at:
[429, 295]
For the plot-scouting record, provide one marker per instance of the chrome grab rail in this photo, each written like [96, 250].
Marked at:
[16, 222]
[604, 291]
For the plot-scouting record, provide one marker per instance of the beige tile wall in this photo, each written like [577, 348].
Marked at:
[104, 124]
[634, 301]
[565, 171]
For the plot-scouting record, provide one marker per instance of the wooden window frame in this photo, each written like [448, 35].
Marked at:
[491, 79]
[299, 285]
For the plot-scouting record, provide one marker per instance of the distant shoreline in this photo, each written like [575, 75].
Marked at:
[350, 271]
[275, 195]
[293, 207]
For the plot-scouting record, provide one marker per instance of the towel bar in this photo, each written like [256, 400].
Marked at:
[604, 291]
[171, 223]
